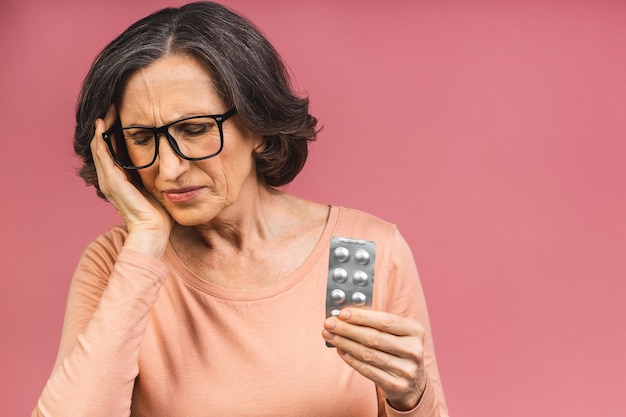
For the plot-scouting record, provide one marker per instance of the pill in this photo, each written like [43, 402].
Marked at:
[350, 279]
[338, 296]
[359, 278]
[342, 254]
[359, 299]
[340, 275]
[362, 257]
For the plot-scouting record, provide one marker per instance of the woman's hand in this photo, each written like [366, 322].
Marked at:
[148, 223]
[385, 348]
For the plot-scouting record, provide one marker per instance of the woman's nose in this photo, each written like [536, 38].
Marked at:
[170, 164]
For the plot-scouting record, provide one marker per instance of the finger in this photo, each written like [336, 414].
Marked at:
[98, 146]
[110, 175]
[387, 369]
[390, 362]
[398, 379]
[409, 345]
[111, 115]
[369, 341]
[383, 321]
[102, 124]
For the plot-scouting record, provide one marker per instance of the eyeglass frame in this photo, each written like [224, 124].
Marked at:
[156, 131]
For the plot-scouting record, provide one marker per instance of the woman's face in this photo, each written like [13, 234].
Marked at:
[194, 192]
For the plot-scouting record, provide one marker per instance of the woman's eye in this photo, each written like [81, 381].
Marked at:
[196, 129]
[139, 138]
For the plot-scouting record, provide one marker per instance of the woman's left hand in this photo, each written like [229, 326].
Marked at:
[383, 347]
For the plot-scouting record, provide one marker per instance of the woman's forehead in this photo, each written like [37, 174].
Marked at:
[172, 87]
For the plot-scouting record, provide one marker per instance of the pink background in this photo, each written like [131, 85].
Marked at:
[492, 132]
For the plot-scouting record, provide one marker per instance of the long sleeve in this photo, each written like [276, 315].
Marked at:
[403, 295]
[107, 313]
[197, 346]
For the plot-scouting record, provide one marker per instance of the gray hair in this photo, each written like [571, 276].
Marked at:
[247, 72]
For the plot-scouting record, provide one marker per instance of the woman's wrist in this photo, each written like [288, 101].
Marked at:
[150, 242]
[409, 403]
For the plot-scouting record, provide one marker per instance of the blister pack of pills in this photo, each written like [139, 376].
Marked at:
[350, 274]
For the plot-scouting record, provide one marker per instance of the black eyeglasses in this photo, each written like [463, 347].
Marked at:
[192, 138]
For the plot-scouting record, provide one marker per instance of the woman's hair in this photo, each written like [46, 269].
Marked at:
[246, 71]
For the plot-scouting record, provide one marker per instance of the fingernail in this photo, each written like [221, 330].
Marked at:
[327, 335]
[330, 323]
[344, 314]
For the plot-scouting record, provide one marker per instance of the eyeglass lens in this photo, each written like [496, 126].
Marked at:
[196, 138]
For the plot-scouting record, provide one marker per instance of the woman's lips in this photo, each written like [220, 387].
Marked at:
[182, 195]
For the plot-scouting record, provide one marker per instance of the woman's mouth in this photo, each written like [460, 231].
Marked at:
[182, 195]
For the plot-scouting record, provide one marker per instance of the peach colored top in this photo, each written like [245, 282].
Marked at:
[148, 338]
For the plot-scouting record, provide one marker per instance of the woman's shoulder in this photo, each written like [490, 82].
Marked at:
[98, 259]
[358, 218]
[358, 224]
[108, 244]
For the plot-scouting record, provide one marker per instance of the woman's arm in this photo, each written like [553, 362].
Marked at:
[107, 312]
[392, 345]
[109, 301]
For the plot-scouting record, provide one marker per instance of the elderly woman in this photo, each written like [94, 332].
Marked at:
[210, 300]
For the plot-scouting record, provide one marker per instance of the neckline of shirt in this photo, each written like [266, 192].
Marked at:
[180, 269]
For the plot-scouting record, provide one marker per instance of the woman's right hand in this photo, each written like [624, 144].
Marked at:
[149, 224]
